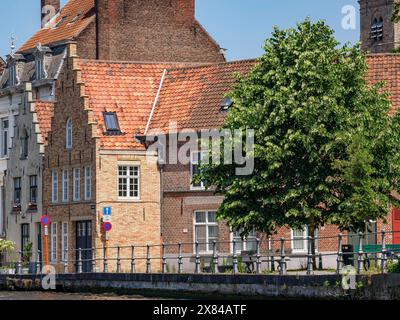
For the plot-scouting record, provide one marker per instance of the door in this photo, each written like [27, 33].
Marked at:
[39, 241]
[396, 226]
[84, 242]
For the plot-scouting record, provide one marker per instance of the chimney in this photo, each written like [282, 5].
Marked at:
[49, 8]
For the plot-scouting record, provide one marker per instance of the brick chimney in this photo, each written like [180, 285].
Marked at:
[49, 8]
[152, 30]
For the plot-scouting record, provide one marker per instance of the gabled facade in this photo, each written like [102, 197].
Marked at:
[24, 175]
[92, 161]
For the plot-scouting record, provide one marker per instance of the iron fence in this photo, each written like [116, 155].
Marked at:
[270, 255]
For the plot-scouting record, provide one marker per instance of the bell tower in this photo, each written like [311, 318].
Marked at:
[378, 33]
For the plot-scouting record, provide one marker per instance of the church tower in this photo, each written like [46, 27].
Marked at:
[378, 33]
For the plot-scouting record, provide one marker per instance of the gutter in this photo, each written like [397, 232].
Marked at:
[155, 102]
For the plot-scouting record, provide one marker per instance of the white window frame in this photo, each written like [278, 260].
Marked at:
[305, 241]
[88, 183]
[69, 134]
[128, 177]
[54, 242]
[207, 224]
[65, 186]
[195, 161]
[77, 184]
[64, 241]
[54, 186]
[245, 241]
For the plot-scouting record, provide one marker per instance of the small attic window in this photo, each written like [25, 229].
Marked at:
[13, 75]
[111, 122]
[226, 104]
[39, 70]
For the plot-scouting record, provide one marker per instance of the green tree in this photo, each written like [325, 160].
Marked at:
[326, 149]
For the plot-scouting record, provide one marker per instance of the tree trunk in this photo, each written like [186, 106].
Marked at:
[311, 233]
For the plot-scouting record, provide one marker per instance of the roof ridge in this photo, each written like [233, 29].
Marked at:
[235, 62]
[137, 62]
[383, 54]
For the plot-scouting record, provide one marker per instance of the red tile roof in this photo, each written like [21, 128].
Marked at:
[192, 97]
[128, 89]
[386, 67]
[44, 111]
[68, 29]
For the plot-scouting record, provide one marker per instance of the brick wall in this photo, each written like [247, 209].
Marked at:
[153, 30]
[369, 10]
[71, 104]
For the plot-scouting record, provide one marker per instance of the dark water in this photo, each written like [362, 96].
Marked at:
[9, 296]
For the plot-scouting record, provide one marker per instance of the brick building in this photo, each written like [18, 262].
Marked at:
[194, 99]
[127, 30]
[379, 34]
[92, 161]
[152, 30]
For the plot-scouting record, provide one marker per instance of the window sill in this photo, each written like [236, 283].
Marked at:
[129, 199]
[197, 188]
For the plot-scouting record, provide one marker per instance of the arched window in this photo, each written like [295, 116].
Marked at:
[68, 139]
[377, 29]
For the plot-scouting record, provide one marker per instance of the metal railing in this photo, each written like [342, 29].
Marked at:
[267, 256]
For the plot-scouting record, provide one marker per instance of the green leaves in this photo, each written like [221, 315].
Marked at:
[326, 150]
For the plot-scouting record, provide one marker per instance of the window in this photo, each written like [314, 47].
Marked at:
[197, 158]
[65, 186]
[247, 244]
[300, 239]
[128, 182]
[17, 191]
[64, 243]
[111, 122]
[226, 104]
[377, 29]
[54, 242]
[39, 70]
[68, 142]
[33, 189]
[88, 183]
[25, 237]
[206, 230]
[13, 75]
[24, 144]
[54, 193]
[77, 184]
[4, 137]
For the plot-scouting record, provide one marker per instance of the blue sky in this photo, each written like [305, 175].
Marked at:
[241, 26]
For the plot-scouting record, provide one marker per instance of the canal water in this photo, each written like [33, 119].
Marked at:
[9, 296]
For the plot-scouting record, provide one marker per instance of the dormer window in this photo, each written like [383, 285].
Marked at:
[226, 104]
[111, 123]
[13, 75]
[377, 29]
[39, 70]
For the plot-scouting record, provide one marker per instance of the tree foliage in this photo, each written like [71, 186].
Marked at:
[326, 149]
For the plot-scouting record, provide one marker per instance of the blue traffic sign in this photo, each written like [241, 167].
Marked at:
[107, 211]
